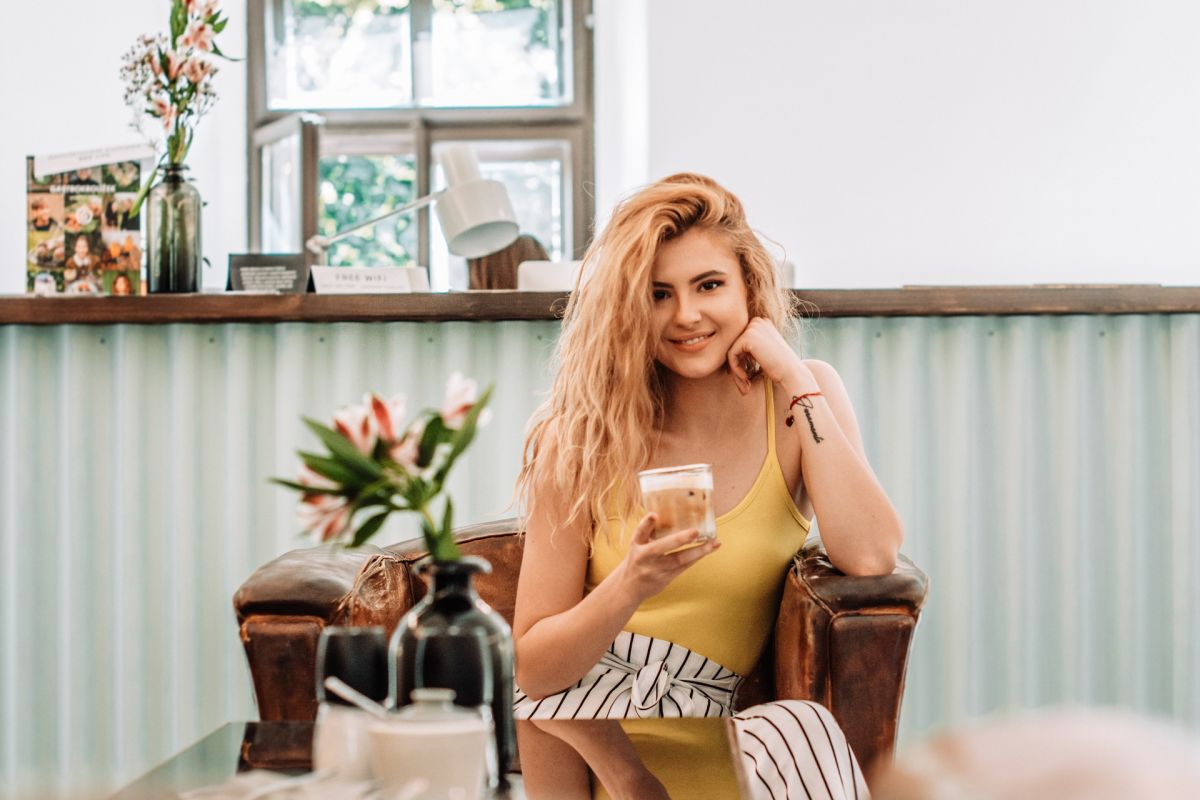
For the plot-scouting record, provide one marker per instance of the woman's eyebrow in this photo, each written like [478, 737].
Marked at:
[703, 276]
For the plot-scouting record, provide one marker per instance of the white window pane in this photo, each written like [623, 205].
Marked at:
[497, 53]
[534, 173]
[356, 187]
[338, 54]
[280, 192]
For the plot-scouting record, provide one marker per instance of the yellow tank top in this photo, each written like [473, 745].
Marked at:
[723, 606]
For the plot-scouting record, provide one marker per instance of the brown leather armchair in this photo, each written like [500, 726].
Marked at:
[839, 640]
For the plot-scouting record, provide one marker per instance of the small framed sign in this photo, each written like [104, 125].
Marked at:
[268, 272]
[370, 280]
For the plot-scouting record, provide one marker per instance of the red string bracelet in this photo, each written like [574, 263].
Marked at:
[790, 419]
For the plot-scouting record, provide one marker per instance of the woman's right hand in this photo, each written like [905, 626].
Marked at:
[650, 563]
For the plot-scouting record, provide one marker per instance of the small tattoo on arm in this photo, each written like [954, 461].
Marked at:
[807, 404]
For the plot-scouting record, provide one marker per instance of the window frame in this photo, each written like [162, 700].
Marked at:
[572, 122]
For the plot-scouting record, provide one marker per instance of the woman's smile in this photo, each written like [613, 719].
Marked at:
[692, 344]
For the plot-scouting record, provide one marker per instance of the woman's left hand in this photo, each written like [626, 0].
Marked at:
[762, 343]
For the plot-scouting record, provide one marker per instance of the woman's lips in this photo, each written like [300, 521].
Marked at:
[691, 344]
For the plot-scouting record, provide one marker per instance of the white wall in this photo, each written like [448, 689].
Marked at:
[880, 143]
[62, 92]
[927, 141]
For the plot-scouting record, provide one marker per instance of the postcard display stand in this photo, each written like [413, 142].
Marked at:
[82, 237]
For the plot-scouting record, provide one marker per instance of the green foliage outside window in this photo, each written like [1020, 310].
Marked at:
[356, 188]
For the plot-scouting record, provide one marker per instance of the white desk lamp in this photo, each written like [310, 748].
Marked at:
[476, 215]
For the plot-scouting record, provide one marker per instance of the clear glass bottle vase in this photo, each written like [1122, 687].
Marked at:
[173, 234]
[452, 639]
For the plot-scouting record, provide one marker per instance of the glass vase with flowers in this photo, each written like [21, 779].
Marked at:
[375, 465]
[169, 87]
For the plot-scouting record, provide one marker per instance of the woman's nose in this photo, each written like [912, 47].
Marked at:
[686, 311]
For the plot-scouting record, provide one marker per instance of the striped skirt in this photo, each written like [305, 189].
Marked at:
[789, 748]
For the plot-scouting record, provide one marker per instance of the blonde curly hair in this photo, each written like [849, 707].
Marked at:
[609, 392]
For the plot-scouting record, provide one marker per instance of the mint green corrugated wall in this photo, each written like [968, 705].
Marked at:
[1048, 470]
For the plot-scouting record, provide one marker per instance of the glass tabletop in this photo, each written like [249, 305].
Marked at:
[643, 758]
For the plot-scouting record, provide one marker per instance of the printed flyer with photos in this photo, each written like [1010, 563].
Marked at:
[82, 235]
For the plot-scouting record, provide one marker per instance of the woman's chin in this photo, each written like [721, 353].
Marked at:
[695, 371]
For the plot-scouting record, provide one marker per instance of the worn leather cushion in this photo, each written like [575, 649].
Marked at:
[311, 581]
[905, 588]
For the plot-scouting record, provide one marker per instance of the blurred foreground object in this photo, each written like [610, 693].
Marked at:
[1060, 754]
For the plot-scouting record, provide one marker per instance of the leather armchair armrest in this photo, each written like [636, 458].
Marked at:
[308, 582]
[285, 604]
[844, 642]
[281, 610]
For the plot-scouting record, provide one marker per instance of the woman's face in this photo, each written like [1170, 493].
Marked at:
[700, 303]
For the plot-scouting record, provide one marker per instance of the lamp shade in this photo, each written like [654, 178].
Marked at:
[477, 218]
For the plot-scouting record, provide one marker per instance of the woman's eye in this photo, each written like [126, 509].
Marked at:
[708, 286]
[659, 294]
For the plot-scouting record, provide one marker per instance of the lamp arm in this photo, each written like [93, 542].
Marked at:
[319, 244]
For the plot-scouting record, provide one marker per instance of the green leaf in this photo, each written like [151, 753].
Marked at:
[369, 528]
[217, 52]
[448, 519]
[145, 190]
[300, 487]
[445, 549]
[218, 26]
[435, 434]
[430, 533]
[332, 469]
[464, 436]
[344, 450]
[178, 21]
[442, 548]
[382, 488]
[415, 493]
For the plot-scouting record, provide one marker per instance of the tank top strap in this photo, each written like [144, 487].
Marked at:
[770, 391]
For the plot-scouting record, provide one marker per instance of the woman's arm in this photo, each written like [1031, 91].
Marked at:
[551, 768]
[559, 632]
[860, 528]
[610, 754]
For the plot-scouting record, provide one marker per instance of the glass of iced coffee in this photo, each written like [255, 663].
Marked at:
[681, 497]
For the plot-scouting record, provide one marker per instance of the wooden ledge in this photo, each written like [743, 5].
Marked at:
[493, 306]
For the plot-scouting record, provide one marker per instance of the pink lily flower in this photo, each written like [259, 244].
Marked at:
[174, 65]
[461, 394]
[200, 36]
[357, 424]
[407, 450]
[325, 516]
[389, 414]
[314, 479]
[196, 70]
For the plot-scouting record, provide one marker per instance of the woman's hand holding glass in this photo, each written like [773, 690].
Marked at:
[654, 561]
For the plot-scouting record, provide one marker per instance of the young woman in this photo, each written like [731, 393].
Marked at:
[673, 352]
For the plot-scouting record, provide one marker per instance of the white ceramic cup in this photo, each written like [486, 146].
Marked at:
[340, 741]
[447, 757]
